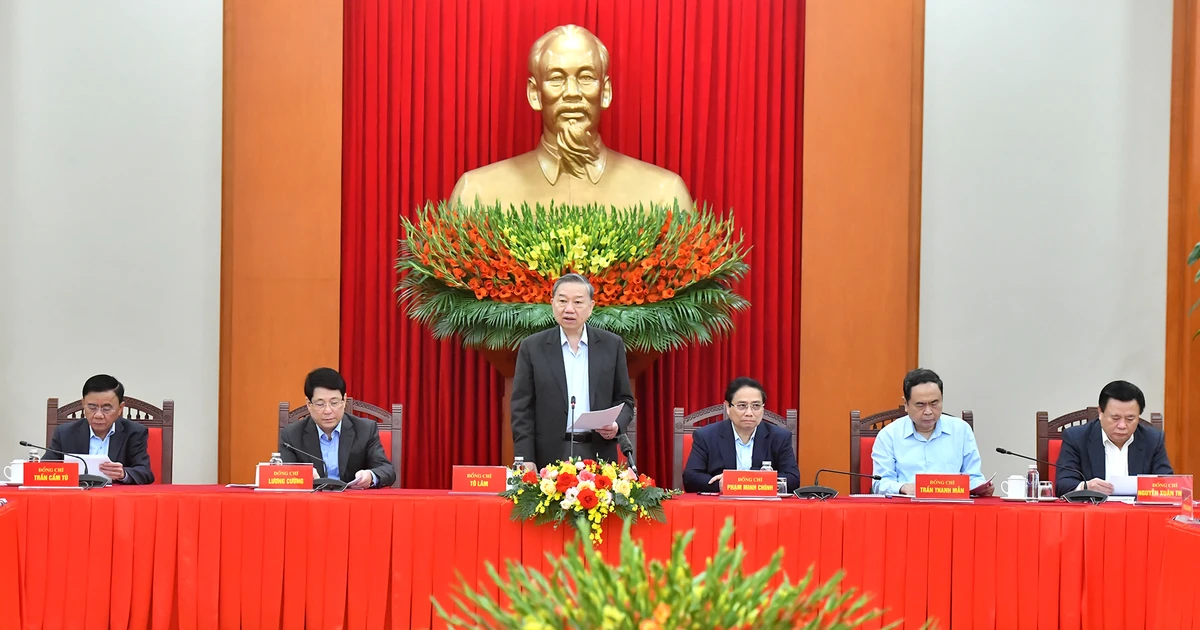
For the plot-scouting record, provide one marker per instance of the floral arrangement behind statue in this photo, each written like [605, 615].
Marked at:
[662, 276]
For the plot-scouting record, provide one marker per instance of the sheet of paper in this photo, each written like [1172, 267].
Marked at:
[1124, 486]
[93, 464]
[989, 480]
[592, 420]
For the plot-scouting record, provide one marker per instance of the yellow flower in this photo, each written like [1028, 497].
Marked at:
[609, 471]
[567, 467]
[622, 487]
[613, 616]
[535, 623]
[547, 486]
[532, 264]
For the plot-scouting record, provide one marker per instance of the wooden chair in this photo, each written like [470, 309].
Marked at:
[159, 421]
[1049, 434]
[686, 425]
[391, 426]
[863, 432]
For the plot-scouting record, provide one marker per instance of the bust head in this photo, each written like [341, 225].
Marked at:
[569, 85]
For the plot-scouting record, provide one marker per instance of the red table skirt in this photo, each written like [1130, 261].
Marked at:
[1178, 601]
[203, 557]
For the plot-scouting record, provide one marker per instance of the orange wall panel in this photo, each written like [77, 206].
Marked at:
[281, 216]
[861, 236]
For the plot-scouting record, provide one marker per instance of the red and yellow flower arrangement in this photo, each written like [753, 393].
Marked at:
[662, 276]
[585, 491]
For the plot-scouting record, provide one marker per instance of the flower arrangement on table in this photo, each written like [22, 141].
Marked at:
[585, 491]
[662, 276]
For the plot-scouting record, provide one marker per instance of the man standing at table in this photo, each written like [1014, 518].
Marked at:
[572, 361]
[102, 431]
[925, 441]
[742, 441]
[1113, 445]
[349, 446]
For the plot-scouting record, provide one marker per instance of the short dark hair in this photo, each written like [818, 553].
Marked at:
[920, 376]
[327, 378]
[1123, 391]
[101, 383]
[576, 278]
[740, 382]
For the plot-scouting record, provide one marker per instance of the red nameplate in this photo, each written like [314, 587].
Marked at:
[285, 477]
[1189, 506]
[480, 479]
[51, 474]
[749, 484]
[1166, 489]
[943, 487]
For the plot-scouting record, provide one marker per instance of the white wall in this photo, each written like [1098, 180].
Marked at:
[1044, 207]
[110, 210]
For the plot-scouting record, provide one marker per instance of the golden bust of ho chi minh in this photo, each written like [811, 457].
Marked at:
[569, 85]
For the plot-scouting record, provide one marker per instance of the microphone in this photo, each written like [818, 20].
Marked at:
[325, 482]
[86, 480]
[627, 450]
[572, 454]
[817, 491]
[1074, 496]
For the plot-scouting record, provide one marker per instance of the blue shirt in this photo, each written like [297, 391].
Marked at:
[329, 450]
[96, 446]
[576, 364]
[900, 453]
[745, 452]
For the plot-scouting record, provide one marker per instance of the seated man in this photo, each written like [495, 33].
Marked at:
[349, 447]
[925, 441]
[1113, 445]
[102, 431]
[742, 442]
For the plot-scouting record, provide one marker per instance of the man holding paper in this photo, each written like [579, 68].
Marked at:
[102, 431]
[925, 441]
[570, 362]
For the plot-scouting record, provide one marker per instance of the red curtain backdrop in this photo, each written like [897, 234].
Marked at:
[710, 89]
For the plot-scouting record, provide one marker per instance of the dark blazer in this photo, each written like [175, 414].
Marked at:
[713, 452]
[359, 448]
[126, 446]
[1083, 449]
[539, 393]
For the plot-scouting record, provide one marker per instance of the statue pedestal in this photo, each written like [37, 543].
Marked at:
[505, 362]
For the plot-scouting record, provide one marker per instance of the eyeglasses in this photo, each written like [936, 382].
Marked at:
[106, 409]
[322, 405]
[742, 407]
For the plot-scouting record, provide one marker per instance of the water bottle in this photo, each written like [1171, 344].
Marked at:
[33, 455]
[514, 474]
[1032, 483]
[276, 460]
[780, 481]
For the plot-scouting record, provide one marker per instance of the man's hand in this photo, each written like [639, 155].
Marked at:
[909, 488]
[609, 432]
[1099, 485]
[719, 480]
[986, 490]
[530, 466]
[362, 480]
[114, 470]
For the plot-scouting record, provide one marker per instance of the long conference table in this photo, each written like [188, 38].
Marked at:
[213, 557]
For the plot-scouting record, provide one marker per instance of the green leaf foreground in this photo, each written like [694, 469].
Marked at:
[581, 590]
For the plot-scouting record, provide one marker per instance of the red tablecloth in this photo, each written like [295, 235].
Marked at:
[10, 586]
[1178, 601]
[203, 557]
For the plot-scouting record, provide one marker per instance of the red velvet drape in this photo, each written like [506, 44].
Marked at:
[711, 89]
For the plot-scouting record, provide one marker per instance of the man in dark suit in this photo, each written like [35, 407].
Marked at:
[102, 431]
[571, 360]
[740, 442]
[349, 447]
[1113, 445]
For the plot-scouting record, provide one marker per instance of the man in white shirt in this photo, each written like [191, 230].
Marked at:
[1117, 444]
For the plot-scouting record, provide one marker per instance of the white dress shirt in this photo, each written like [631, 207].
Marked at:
[576, 364]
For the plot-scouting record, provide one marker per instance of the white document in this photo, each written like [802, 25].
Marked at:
[93, 464]
[592, 420]
[1124, 486]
